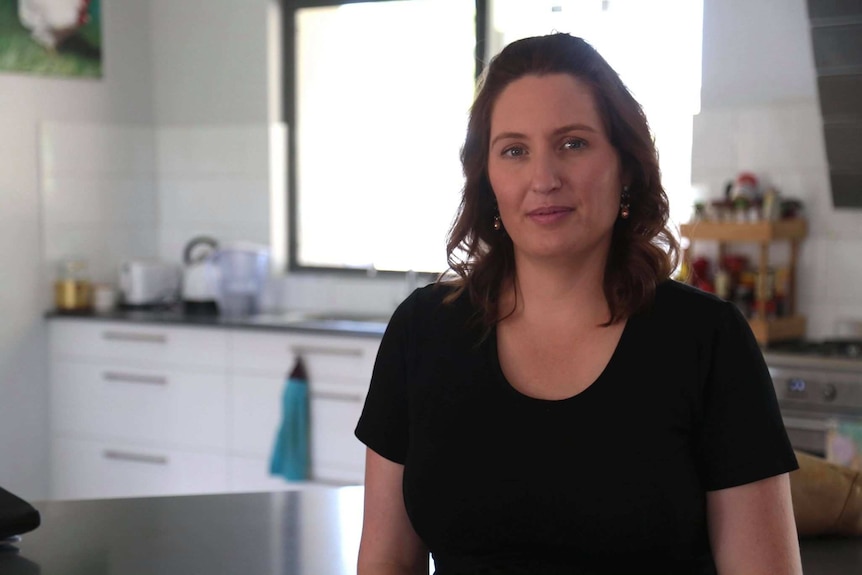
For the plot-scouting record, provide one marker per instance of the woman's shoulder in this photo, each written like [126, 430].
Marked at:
[435, 300]
[682, 316]
[677, 302]
[436, 312]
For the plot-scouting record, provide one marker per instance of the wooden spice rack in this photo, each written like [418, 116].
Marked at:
[762, 233]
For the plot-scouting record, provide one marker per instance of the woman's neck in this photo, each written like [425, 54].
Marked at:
[552, 292]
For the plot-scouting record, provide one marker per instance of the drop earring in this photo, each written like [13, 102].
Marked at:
[497, 222]
[625, 208]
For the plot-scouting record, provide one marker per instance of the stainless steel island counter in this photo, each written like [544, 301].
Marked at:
[309, 532]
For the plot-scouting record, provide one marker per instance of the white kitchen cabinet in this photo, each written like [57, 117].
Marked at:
[141, 409]
[130, 416]
[339, 370]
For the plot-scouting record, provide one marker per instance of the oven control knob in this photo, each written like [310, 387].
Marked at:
[829, 392]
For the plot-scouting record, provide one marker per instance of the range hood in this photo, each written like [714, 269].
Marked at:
[836, 36]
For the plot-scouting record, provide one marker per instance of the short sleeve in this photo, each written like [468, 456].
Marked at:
[742, 436]
[383, 425]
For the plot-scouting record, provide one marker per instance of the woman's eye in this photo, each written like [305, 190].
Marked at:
[514, 152]
[574, 144]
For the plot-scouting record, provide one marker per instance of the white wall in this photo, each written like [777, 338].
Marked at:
[760, 113]
[27, 103]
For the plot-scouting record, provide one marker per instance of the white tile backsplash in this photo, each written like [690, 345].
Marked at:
[99, 198]
[190, 151]
[90, 199]
[97, 149]
[224, 201]
[714, 136]
[844, 272]
[213, 180]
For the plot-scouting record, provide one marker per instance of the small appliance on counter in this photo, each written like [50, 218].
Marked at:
[244, 268]
[201, 276]
[149, 283]
[73, 290]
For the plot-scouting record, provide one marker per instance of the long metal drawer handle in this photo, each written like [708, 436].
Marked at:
[139, 337]
[135, 457]
[336, 396]
[135, 378]
[310, 350]
[804, 424]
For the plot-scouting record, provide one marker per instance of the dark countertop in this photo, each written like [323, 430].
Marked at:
[311, 532]
[333, 323]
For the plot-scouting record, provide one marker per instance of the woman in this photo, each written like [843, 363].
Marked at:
[561, 406]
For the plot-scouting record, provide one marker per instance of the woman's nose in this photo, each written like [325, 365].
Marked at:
[546, 174]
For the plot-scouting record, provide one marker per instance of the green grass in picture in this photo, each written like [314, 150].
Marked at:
[78, 55]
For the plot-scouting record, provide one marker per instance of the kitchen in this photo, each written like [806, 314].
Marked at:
[198, 108]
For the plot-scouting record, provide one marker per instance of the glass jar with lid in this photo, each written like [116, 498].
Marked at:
[73, 290]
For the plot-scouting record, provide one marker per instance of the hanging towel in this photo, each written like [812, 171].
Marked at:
[290, 455]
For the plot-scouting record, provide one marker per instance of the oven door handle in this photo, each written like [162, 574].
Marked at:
[809, 424]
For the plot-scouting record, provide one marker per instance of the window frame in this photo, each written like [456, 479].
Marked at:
[289, 103]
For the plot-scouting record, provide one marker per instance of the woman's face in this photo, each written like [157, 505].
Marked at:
[554, 173]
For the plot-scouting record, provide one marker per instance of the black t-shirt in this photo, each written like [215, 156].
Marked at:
[612, 480]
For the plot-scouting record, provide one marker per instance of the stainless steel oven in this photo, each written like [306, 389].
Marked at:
[819, 390]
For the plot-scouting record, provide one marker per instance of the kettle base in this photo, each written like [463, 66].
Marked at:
[204, 307]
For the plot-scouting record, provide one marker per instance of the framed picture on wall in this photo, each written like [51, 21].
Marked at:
[51, 37]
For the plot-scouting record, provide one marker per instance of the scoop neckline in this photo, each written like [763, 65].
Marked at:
[586, 392]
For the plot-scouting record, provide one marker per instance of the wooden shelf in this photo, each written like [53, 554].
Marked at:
[763, 231]
[776, 329]
[765, 329]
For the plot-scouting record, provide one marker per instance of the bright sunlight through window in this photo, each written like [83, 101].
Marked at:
[383, 91]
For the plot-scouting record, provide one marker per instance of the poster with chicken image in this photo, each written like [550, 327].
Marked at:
[51, 37]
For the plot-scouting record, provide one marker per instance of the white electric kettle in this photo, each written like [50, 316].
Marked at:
[201, 276]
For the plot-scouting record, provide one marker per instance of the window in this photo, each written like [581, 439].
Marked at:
[378, 100]
[382, 91]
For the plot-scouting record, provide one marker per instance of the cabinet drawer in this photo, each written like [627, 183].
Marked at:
[139, 343]
[326, 358]
[153, 406]
[255, 414]
[89, 469]
[336, 454]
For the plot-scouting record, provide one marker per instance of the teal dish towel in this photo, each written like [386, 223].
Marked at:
[290, 457]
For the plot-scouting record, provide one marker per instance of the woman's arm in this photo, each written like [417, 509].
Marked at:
[752, 530]
[389, 545]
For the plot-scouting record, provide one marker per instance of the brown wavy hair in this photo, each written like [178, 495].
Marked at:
[643, 250]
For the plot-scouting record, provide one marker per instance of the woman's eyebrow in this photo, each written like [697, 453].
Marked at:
[561, 130]
[577, 127]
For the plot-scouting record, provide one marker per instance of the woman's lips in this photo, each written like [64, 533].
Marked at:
[550, 214]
